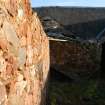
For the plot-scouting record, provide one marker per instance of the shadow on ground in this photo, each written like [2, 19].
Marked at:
[86, 91]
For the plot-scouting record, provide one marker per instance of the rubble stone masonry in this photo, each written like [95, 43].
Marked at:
[24, 55]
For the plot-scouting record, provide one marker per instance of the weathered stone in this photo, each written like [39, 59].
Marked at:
[75, 59]
[10, 34]
[75, 43]
[24, 55]
[3, 95]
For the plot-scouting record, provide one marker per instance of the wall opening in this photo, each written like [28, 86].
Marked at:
[103, 61]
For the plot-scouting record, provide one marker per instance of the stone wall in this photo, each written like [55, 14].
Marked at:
[24, 55]
[75, 58]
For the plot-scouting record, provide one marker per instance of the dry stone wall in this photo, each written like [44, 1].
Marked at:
[24, 55]
[75, 59]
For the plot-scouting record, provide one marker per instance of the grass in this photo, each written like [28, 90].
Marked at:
[86, 92]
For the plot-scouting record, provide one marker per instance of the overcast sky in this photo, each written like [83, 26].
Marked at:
[88, 3]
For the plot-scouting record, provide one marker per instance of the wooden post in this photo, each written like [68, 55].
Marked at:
[24, 55]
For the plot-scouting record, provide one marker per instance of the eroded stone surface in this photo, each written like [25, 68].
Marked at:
[75, 59]
[24, 55]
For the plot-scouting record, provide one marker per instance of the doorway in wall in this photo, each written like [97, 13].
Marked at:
[103, 60]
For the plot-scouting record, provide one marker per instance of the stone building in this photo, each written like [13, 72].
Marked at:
[77, 43]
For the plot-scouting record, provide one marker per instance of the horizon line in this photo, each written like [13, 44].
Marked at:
[68, 6]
